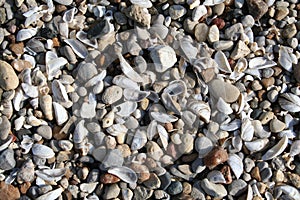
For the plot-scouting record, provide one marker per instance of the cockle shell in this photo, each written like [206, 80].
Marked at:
[42, 151]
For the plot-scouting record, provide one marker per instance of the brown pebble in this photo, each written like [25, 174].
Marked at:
[150, 163]
[144, 103]
[24, 187]
[17, 48]
[220, 23]
[217, 156]
[267, 82]
[187, 188]
[277, 71]
[20, 65]
[109, 178]
[261, 94]
[60, 8]
[141, 170]
[169, 127]
[189, 158]
[227, 174]
[255, 173]
[56, 42]
[9, 192]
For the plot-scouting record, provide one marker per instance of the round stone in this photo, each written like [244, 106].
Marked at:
[8, 78]
[175, 188]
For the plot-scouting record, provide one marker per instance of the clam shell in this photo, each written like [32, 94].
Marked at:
[63, 29]
[247, 130]
[83, 37]
[259, 130]
[203, 146]
[224, 107]
[26, 144]
[163, 136]
[125, 174]
[126, 108]
[170, 104]
[51, 174]
[128, 71]
[287, 58]
[125, 82]
[59, 91]
[6, 144]
[80, 132]
[54, 64]
[236, 165]
[61, 114]
[176, 88]
[139, 140]
[151, 130]
[277, 149]
[42, 151]
[261, 63]
[135, 95]
[25, 34]
[222, 62]
[51, 195]
[78, 48]
[69, 15]
[257, 145]
[295, 148]
[30, 90]
[163, 118]
[117, 129]
[290, 102]
[201, 109]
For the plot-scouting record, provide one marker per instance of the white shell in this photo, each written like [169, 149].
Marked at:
[80, 132]
[289, 102]
[163, 135]
[42, 151]
[163, 118]
[247, 130]
[203, 145]
[287, 58]
[88, 187]
[69, 15]
[212, 2]
[261, 63]
[201, 109]
[54, 64]
[135, 95]
[51, 195]
[125, 174]
[126, 108]
[224, 107]
[257, 145]
[26, 144]
[117, 129]
[139, 140]
[289, 191]
[61, 114]
[125, 82]
[78, 48]
[82, 36]
[51, 174]
[18, 98]
[6, 144]
[128, 71]
[59, 91]
[276, 150]
[25, 34]
[151, 130]
[236, 164]
[295, 148]
[143, 3]
[222, 62]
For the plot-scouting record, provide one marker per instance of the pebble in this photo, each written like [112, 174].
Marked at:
[266, 174]
[281, 12]
[17, 48]
[112, 94]
[4, 127]
[175, 188]
[9, 192]
[7, 160]
[165, 180]
[215, 157]
[295, 179]
[164, 57]
[234, 32]
[201, 32]
[237, 187]
[277, 126]
[176, 11]
[267, 82]
[199, 12]
[213, 34]
[8, 77]
[142, 171]
[153, 182]
[26, 173]
[219, 9]
[141, 192]
[45, 131]
[215, 190]
[86, 72]
[228, 92]
[255, 173]
[241, 50]
[111, 191]
[257, 8]
[289, 31]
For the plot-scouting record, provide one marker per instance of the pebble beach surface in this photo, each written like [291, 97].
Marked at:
[149, 99]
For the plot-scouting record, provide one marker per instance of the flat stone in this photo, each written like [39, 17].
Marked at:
[189, 25]
[8, 78]
[257, 8]
[277, 126]
[45, 131]
[111, 191]
[176, 11]
[201, 32]
[228, 92]
[4, 127]
[241, 50]
[7, 160]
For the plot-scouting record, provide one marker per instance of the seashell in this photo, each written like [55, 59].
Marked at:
[295, 148]
[6, 144]
[83, 37]
[80, 132]
[117, 129]
[125, 174]
[126, 108]
[212, 189]
[143, 4]
[63, 29]
[290, 191]
[224, 107]
[163, 136]
[66, 3]
[201, 109]
[54, 194]
[35, 45]
[276, 150]
[30, 90]
[34, 103]
[203, 145]
[31, 19]
[216, 177]
[259, 130]
[61, 115]
[25, 76]
[54, 64]
[135, 95]
[212, 2]
[88, 187]
[139, 140]
[51, 174]
[125, 82]
[163, 118]
[176, 88]
[232, 126]
[236, 165]
[151, 130]
[99, 11]
[108, 120]
[78, 48]
[256, 145]
[170, 104]
[42, 151]
[59, 91]
[38, 78]
[69, 15]
[261, 63]
[188, 49]
[289, 102]
[128, 71]
[286, 58]
[237, 143]
[247, 130]
[141, 64]
[26, 144]
[222, 62]
[25, 34]
[19, 122]
[46, 106]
